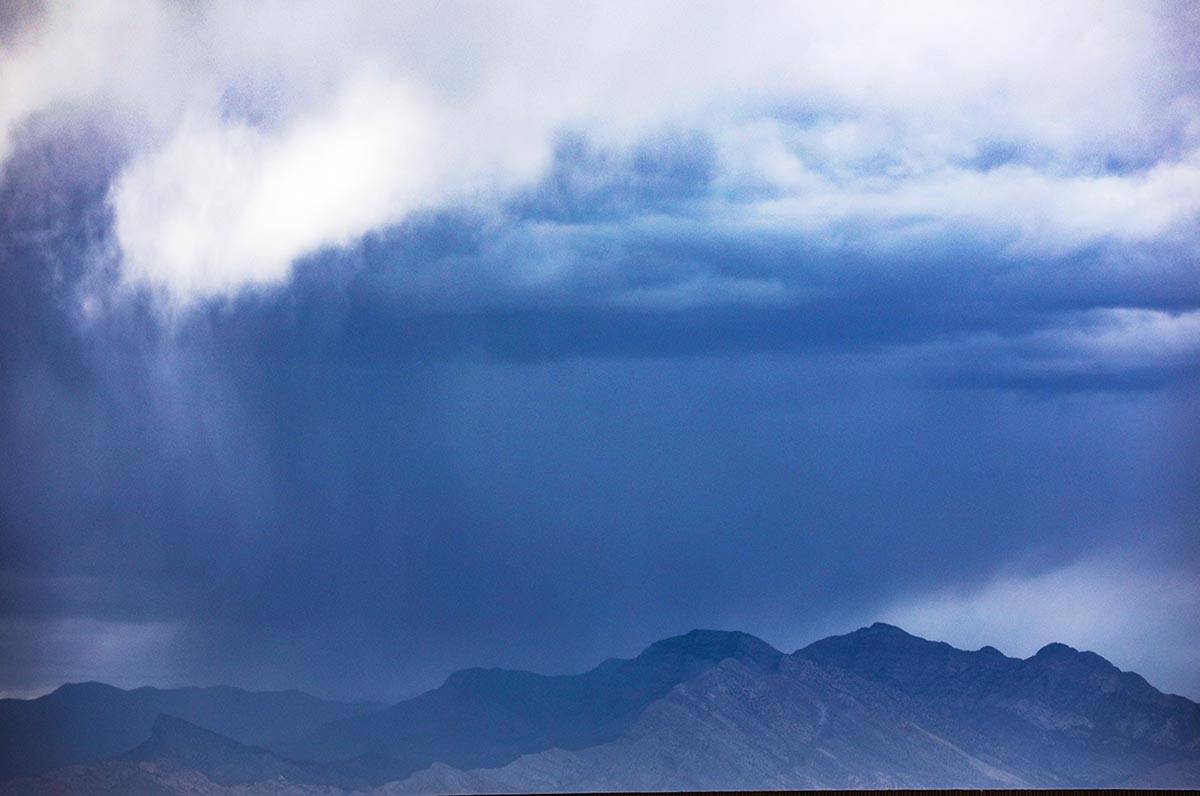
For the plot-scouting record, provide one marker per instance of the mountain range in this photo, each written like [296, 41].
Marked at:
[709, 710]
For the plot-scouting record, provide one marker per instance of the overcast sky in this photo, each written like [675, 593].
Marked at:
[345, 345]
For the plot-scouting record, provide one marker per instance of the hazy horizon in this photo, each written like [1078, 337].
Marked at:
[418, 690]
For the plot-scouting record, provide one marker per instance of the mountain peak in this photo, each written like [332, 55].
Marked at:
[91, 692]
[875, 635]
[1061, 656]
[1083, 665]
[714, 646]
[86, 687]
[1055, 649]
[888, 653]
[171, 735]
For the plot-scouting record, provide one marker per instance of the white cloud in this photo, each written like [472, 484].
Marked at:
[222, 205]
[1143, 618]
[136, 60]
[264, 132]
[1034, 211]
[1090, 343]
[1130, 335]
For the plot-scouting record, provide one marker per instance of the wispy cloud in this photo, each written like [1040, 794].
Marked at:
[1138, 614]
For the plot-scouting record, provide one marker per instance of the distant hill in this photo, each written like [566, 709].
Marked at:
[82, 722]
[180, 757]
[713, 710]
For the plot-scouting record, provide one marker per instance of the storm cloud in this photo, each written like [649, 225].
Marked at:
[345, 347]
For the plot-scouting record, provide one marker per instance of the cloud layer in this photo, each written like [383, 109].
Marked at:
[345, 345]
[257, 137]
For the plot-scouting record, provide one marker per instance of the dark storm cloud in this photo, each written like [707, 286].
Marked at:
[346, 485]
[780, 365]
[439, 287]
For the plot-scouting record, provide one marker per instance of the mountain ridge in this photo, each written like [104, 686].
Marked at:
[1025, 739]
[524, 712]
[876, 707]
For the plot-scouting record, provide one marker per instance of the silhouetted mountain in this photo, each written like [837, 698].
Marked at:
[880, 708]
[489, 717]
[181, 757]
[714, 710]
[82, 722]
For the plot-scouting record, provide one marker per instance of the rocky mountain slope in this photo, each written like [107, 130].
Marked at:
[799, 726]
[1061, 713]
[489, 717]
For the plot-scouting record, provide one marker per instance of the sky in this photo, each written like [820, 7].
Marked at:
[347, 345]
